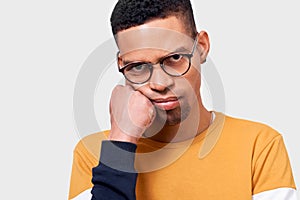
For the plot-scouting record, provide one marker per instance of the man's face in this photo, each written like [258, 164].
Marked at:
[173, 97]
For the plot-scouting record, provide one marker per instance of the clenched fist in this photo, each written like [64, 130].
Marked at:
[131, 113]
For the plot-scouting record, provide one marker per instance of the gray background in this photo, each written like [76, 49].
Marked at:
[44, 43]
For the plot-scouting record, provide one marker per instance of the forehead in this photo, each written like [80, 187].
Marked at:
[161, 34]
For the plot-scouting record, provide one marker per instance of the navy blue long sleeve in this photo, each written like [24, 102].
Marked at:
[115, 177]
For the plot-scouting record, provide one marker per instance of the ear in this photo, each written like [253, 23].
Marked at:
[203, 42]
[119, 60]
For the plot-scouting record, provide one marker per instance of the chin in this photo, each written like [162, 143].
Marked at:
[177, 115]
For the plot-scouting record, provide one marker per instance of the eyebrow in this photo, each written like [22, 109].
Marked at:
[178, 50]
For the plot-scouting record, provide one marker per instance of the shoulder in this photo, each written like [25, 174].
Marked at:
[85, 157]
[251, 128]
[90, 145]
[248, 133]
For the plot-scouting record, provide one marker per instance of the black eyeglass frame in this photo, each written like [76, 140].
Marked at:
[161, 61]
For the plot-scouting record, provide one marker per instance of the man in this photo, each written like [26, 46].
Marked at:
[163, 143]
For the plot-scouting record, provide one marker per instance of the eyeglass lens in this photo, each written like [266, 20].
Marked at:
[174, 65]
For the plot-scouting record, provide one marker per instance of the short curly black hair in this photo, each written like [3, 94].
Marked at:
[130, 13]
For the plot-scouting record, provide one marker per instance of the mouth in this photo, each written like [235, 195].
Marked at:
[166, 103]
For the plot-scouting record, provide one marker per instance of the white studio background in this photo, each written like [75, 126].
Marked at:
[43, 45]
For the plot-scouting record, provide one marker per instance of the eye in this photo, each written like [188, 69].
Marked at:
[174, 60]
[137, 68]
[175, 57]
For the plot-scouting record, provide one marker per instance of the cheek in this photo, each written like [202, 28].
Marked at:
[134, 86]
[137, 87]
[194, 79]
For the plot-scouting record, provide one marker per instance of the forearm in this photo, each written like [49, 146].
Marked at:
[115, 177]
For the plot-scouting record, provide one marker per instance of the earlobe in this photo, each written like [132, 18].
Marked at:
[203, 42]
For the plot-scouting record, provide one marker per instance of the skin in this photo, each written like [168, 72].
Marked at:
[161, 107]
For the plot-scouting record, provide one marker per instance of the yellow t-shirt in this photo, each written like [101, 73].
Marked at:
[233, 159]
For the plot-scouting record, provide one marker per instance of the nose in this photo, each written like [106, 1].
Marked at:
[160, 80]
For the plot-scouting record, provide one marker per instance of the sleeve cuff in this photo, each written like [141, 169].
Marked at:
[118, 155]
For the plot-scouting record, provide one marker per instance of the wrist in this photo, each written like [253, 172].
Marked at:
[117, 135]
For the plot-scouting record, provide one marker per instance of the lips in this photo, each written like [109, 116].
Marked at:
[166, 103]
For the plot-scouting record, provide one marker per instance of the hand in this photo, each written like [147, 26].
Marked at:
[131, 113]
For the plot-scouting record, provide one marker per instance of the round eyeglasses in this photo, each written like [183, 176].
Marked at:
[175, 64]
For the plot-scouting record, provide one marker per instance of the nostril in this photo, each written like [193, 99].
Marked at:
[157, 87]
[160, 88]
